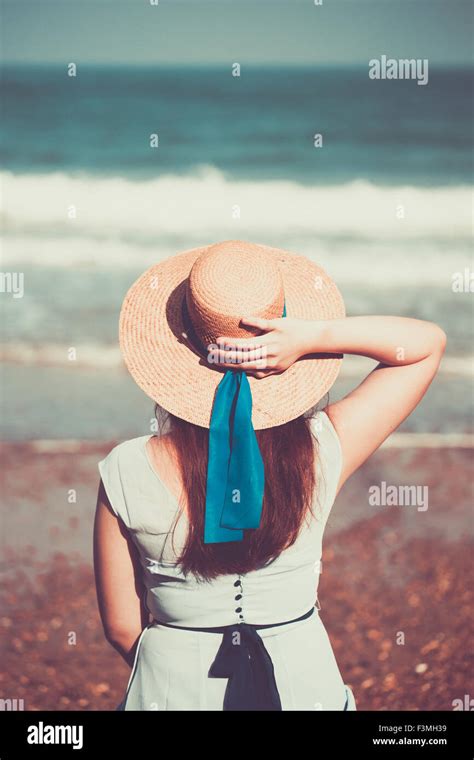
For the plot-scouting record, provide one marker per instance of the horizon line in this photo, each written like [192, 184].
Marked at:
[215, 64]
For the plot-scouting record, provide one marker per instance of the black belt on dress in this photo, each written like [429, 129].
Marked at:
[243, 659]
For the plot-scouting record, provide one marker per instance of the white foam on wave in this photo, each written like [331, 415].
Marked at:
[104, 356]
[397, 440]
[90, 355]
[204, 203]
[386, 264]
[353, 230]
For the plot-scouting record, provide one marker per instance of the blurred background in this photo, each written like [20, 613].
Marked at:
[384, 205]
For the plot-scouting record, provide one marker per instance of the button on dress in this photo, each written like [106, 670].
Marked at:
[171, 666]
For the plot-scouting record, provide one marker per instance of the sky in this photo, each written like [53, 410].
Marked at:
[217, 32]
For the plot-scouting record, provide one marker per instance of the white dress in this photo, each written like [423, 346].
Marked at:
[170, 671]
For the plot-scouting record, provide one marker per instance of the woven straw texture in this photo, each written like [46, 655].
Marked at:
[178, 307]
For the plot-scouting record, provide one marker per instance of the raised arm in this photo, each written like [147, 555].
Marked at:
[408, 351]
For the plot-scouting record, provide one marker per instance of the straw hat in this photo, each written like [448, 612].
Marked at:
[178, 307]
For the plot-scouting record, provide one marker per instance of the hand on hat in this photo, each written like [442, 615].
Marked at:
[282, 343]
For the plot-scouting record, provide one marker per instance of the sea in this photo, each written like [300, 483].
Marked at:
[109, 171]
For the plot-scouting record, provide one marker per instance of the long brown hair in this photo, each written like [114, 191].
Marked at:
[288, 453]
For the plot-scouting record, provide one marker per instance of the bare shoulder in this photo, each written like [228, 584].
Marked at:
[160, 446]
[164, 461]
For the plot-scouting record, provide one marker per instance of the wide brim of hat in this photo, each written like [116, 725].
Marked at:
[164, 364]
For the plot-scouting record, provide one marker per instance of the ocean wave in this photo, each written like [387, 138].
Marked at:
[397, 440]
[207, 205]
[389, 264]
[352, 230]
[107, 356]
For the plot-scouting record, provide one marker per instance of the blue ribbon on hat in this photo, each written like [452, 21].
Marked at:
[235, 471]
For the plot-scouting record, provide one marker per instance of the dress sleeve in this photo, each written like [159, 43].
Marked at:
[110, 472]
[329, 459]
